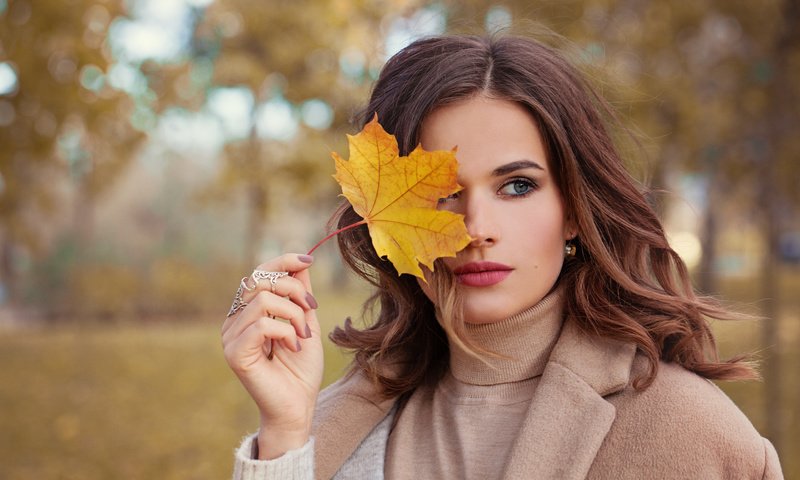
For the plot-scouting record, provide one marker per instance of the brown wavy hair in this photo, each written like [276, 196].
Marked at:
[625, 281]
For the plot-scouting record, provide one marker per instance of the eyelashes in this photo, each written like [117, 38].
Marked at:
[517, 187]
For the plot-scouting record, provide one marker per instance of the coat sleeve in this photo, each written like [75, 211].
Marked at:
[772, 465]
[293, 465]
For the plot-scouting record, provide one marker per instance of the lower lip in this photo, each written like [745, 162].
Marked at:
[483, 279]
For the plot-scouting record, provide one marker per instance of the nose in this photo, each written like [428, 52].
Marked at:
[479, 221]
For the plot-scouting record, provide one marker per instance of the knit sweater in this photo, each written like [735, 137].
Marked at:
[465, 426]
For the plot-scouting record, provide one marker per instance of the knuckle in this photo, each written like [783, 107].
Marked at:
[297, 312]
[229, 352]
[261, 298]
[262, 324]
[292, 283]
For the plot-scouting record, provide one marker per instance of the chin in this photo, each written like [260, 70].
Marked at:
[483, 315]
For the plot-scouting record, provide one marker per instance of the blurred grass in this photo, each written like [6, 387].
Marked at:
[746, 337]
[156, 400]
[132, 401]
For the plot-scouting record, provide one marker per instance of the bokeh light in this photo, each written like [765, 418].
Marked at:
[8, 79]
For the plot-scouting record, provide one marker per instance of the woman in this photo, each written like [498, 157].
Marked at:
[564, 342]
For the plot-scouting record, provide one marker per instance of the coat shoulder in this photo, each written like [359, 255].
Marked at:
[354, 388]
[680, 398]
[691, 422]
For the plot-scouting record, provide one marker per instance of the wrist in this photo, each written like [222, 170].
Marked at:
[273, 442]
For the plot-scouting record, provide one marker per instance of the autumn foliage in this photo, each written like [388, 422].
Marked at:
[397, 198]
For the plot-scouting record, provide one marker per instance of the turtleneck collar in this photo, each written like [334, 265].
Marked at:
[524, 340]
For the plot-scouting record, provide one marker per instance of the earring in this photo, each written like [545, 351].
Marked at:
[569, 250]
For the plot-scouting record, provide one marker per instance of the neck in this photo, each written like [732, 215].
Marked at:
[519, 346]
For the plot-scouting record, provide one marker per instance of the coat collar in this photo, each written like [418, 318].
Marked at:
[568, 418]
[347, 411]
[566, 423]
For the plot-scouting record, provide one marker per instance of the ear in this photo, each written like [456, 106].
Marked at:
[570, 228]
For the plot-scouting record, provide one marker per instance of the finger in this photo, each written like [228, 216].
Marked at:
[265, 303]
[304, 276]
[269, 304]
[272, 329]
[245, 350]
[288, 262]
[229, 321]
[257, 310]
[284, 287]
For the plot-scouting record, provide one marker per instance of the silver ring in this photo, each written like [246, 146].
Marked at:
[244, 284]
[265, 275]
[238, 301]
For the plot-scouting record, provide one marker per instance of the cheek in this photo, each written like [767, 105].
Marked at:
[544, 234]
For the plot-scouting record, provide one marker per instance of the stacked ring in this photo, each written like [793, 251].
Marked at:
[271, 276]
[238, 300]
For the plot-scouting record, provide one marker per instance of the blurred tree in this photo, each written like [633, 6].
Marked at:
[62, 120]
[303, 69]
[778, 181]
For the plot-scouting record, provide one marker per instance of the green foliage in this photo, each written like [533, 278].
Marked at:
[67, 124]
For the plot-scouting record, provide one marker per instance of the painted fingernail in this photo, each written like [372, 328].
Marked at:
[312, 302]
[298, 346]
[305, 258]
[308, 332]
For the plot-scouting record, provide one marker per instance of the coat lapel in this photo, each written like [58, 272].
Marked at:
[347, 412]
[568, 418]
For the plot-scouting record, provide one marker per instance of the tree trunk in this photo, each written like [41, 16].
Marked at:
[706, 274]
[780, 127]
[83, 221]
[770, 301]
[8, 273]
[256, 197]
[256, 208]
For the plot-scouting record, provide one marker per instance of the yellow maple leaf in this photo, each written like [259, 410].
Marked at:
[397, 198]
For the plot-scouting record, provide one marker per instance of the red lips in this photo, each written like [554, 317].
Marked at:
[482, 274]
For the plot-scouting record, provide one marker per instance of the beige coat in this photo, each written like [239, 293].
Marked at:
[587, 421]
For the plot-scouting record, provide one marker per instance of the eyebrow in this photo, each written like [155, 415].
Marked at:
[514, 166]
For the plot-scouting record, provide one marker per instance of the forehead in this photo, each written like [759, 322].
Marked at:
[487, 132]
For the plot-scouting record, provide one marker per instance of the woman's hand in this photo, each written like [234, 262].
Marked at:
[279, 363]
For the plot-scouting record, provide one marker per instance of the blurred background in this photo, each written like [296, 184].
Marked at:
[153, 151]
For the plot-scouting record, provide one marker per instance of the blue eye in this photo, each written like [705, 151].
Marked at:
[517, 187]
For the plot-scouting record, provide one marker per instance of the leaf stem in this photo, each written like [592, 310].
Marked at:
[362, 222]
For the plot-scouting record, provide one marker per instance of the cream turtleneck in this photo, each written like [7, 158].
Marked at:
[465, 426]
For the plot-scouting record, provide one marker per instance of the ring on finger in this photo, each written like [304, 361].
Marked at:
[265, 275]
[244, 284]
[238, 301]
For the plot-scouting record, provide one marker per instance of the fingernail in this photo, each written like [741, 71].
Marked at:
[312, 302]
[308, 332]
[305, 258]
[298, 346]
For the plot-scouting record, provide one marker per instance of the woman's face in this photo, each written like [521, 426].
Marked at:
[512, 206]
